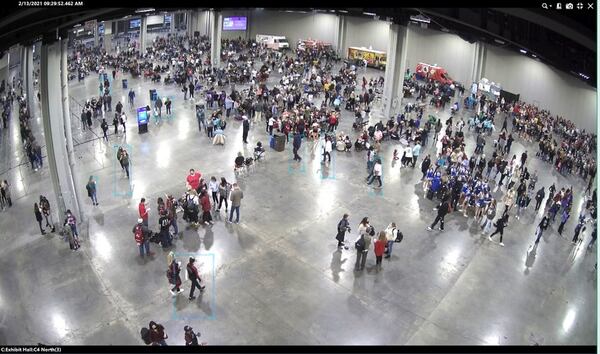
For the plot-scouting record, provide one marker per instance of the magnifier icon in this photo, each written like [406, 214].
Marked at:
[545, 6]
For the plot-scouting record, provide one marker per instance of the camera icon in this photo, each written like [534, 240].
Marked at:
[569, 6]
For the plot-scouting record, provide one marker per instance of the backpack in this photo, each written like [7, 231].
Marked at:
[89, 189]
[360, 244]
[399, 236]
[145, 334]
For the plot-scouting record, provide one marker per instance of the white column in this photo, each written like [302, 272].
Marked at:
[143, 35]
[395, 68]
[107, 37]
[52, 92]
[27, 74]
[340, 36]
[172, 27]
[215, 39]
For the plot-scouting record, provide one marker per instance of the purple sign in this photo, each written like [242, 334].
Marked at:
[235, 23]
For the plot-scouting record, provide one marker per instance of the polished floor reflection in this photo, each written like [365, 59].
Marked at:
[277, 278]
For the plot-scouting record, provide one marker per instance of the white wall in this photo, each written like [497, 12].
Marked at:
[446, 50]
[364, 32]
[543, 85]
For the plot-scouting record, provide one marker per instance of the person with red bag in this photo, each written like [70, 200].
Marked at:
[173, 274]
[205, 202]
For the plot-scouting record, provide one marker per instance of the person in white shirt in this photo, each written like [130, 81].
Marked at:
[391, 233]
[328, 148]
[377, 171]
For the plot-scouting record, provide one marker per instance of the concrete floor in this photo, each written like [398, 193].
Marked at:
[277, 278]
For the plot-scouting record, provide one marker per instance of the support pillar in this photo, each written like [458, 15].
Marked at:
[189, 27]
[215, 38]
[340, 36]
[107, 37]
[172, 24]
[27, 74]
[143, 35]
[395, 68]
[54, 94]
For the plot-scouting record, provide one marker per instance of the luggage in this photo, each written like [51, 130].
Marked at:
[145, 334]
[430, 194]
[399, 237]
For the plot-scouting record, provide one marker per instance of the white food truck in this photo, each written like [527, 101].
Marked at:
[273, 42]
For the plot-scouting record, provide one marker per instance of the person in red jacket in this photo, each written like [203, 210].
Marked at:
[205, 202]
[142, 238]
[193, 179]
[143, 211]
[380, 248]
[194, 277]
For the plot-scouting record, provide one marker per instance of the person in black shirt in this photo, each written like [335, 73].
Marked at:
[165, 223]
[194, 277]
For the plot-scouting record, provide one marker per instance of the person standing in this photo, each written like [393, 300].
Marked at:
[442, 210]
[173, 274]
[165, 225]
[327, 149]
[193, 180]
[391, 235]
[246, 129]
[191, 338]
[168, 104]
[578, 229]
[342, 227]
[194, 277]
[213, 187]
[205, 202]
[5, 194]
[296, 146]
[91, 190]
[45, 208]
[38, 217]
[131, 97]
[362, 243]
[143, 211]
[125, 161]
[158, 105]
[191, 89]
[157, 334]
[500, 224]
[200, 115]
[71, 222]
[563, 220]
[379, 249]
[142, 238]
[236, 200]
[116, 123]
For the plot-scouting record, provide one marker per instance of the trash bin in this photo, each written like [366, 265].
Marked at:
[153, 95]
[279, 142]
[124, 83]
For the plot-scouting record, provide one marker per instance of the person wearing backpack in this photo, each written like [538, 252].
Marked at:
[342, 227]
[91, 190]
[194, 277]
[391, 233]
[173, 274]
[104, 127]
[142, 238]
[362, 243]
[224, 189]
[191, 338]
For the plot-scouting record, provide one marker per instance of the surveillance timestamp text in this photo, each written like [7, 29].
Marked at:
[50, 3]
[25, 349]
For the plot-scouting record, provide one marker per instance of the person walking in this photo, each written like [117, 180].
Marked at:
[164, 223]
[194, 277]
[578, 229]
[563, 220]
[500, 224]
[442, 210]
[379, 249]
[327, 149]
[168, 104]
[236, 199]
[38, 217]
[143, 211]
[104, 127]
[131, 97]
[542, 226]
[173, 273]
[124, 160]
[488, 220]
[416, 151]
[213, 187]
[362, 243]
[376, 173]
[594, 235]
[142, 238]
[91, 190]
[342, 227]
[539, 197]
[296, 146]
[72, 233]
[246, 129]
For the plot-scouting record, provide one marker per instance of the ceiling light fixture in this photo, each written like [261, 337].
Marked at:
[139, 11]
[343, 11]
[368, 13]
[523, 51]
[499, 41]
[420, 18]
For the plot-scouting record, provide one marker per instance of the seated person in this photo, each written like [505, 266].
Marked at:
[347, 143]
[219, 136]
[258, 151]
[394, 134]
[239, 160]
